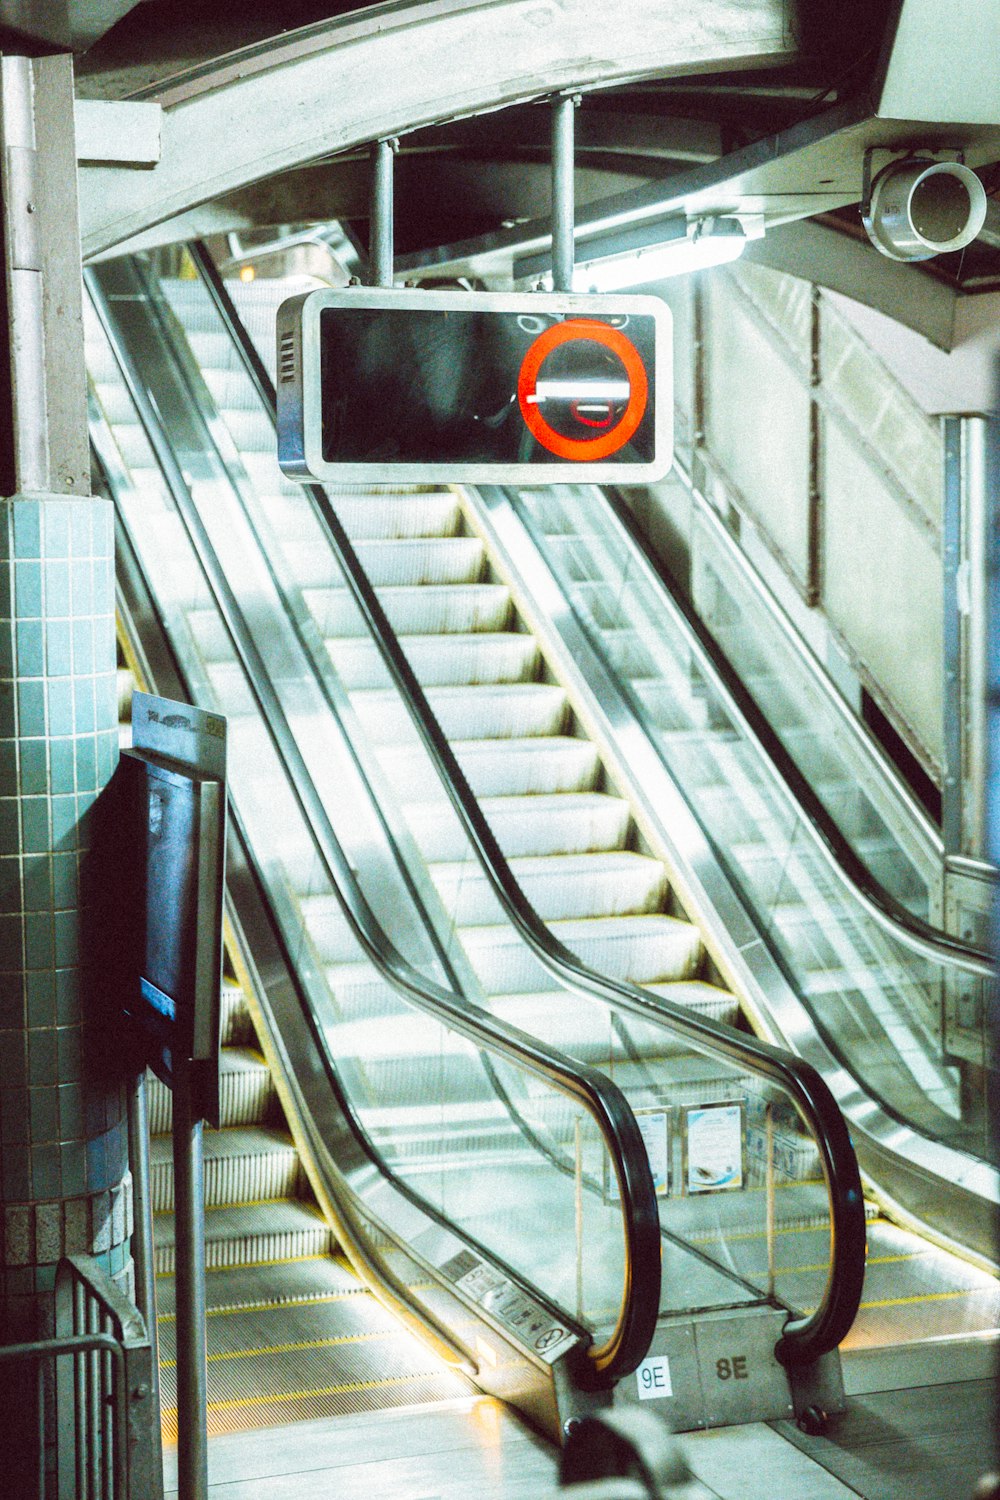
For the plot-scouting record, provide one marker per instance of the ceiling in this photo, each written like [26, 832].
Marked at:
[782, 128]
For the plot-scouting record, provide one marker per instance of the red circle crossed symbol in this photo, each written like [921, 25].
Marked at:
[584, 449]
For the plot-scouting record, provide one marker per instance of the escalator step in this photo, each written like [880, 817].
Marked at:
[515, 710]
[453, 660]
[542, 764]
[246, 1090]
[644, 949]
[433, 609]
[432, 560]
[243, 1233]
[243, 1164]
[571, 822]
[557, 886]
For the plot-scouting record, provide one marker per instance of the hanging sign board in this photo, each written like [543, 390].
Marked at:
[430, 387]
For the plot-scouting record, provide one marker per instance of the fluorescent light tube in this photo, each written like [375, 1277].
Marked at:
[707, 242]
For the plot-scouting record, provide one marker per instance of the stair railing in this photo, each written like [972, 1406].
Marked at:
[99, 1365]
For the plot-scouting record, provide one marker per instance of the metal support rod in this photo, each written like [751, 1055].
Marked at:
[563, 204]
[578, 1146]
[142, 1243]
[771, 1261]
[192, 1368]
[380, 241]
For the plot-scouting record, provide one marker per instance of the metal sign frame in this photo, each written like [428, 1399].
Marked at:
[300, 448]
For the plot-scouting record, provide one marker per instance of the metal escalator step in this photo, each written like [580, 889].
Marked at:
[557, 886]
[242, 1165]
[572, 822]
[475, 657]
[329, 931]
[246, 1092]
[392, 564]
[586, 1031]
[124, 682]
[360, 991]
[541, 764]
[706, 999]
[374, 517]
[433, 609]
[330, 1395]
[239, 1234]
[233, 1288]
[212, 348]
[288, 1327]
[643, 949]
[514, 710]
[236, 1026]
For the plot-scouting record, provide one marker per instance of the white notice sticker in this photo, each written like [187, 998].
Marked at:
[652, 1378]
[655, 1132]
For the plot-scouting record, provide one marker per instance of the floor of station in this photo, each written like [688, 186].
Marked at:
[923, 1443]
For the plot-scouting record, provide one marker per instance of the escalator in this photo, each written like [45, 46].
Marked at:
[416, 1019]
[821, 957]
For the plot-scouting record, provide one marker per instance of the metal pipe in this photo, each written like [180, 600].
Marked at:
[142, 1241]
[563, 203]
[192, 1368]
[380, 240]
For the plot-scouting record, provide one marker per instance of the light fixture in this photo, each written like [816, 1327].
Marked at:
[698, 244]
[919, 207]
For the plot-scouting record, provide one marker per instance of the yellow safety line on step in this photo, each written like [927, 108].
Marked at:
[249, 1265]
[344, 1338]
[289, 1303]
[220, 1208]
[329, 1390]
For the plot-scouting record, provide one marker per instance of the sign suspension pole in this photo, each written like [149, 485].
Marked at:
[380, 241]
[563, 205]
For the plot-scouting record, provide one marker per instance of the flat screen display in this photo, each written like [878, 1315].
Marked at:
[441, 386]
[451, 385]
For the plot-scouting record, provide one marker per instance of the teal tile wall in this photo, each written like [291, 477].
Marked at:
[60, 1138]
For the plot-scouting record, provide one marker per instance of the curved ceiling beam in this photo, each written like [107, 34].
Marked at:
[399, 66]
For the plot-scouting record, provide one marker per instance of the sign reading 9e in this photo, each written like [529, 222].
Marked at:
[419, 386]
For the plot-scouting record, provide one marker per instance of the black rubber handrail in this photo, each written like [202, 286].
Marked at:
[629, 1341]
[934, 944]
[805, 1338]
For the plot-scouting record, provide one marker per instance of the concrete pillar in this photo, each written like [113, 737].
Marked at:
[63, 1138]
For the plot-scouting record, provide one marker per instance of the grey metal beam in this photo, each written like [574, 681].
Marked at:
[811, 168]
[392, 69]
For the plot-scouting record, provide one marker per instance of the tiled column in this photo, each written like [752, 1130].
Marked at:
[62, 1135]
[63, 1139]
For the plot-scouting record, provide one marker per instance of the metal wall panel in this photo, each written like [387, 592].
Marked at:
[757, 422]
[882, 589]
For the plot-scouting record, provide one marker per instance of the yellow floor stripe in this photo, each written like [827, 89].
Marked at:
[328, 1390]
[345, 1338]
[967, 1291]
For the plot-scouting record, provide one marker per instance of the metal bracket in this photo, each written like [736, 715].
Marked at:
[898, 154]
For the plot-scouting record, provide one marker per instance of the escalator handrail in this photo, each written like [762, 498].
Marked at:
[804, 1338]
[919, 936]
[597, 1094]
